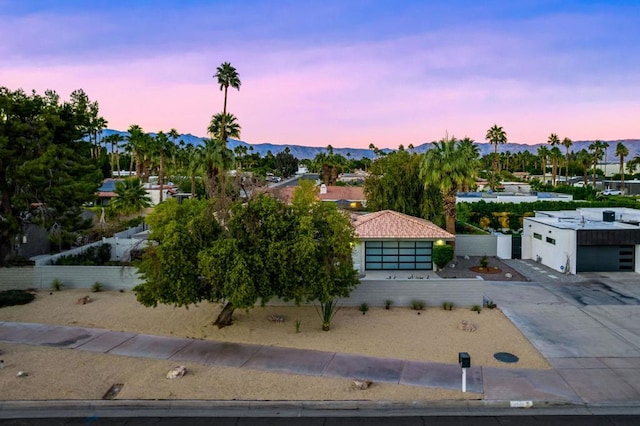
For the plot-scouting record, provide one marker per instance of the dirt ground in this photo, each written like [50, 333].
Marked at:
[434, 335]
[461, 268]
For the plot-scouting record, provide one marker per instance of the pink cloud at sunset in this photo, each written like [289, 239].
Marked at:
[389, 79]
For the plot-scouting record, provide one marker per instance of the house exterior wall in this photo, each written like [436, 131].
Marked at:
[476, 245]
[552, 254]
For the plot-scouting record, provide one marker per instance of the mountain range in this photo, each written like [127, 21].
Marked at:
[308, 152]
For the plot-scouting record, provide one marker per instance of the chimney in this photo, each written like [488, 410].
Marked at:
[323, 189]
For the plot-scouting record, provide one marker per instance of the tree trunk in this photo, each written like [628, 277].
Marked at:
[225, 317]
[161, 175]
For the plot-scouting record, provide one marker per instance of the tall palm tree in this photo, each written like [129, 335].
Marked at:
[584, 159]
[136, 144]
[621, 152]
[228, 121]
[164, 147]
[471, 152]
[448, 167]
[114, 139]
[495, 135]
[553, 141]
[543, 155]
[566, 142]
[217, 159]
[227, 76]
[597, 149]
[556, 156]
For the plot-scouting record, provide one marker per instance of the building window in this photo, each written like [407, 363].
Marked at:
[551, 241]
[537, 236]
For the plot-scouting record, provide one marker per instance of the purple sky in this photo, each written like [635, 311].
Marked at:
[345, 73]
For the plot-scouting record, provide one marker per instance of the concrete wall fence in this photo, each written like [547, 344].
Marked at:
[462, 292]
[476, 245]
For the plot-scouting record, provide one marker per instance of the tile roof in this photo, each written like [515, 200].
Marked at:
[391, 224]
[334, 193]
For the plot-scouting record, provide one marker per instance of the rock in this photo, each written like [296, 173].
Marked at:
[508, 275]
[362, 384]
[467, 326]
[84, 300]
[279, 319]
[466, 257]
[176, 372]
[22, 374]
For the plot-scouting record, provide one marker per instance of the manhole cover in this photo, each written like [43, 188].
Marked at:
[505, 357]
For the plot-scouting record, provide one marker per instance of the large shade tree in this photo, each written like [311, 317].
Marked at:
[495, 136]
[267, 249]
[450, 167]
[46, 169]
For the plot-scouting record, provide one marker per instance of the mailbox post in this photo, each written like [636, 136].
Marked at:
[465, 362]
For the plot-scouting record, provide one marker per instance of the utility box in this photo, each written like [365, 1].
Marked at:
[608, 216]
[464, 360]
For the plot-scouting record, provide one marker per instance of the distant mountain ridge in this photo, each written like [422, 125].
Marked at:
[307, 152]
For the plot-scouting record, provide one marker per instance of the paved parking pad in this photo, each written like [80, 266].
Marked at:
[16, 332]
[523, 384]
[288, 360]
[599, 385]
[145, 346]
[437, 375]
[365, 368]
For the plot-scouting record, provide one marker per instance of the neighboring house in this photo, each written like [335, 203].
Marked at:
[510, 197]
[348, 197]
[584, 240]
[388, 240]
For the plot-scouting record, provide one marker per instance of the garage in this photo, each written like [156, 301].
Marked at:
[398, 255]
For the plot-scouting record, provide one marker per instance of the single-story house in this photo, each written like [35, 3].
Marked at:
[349, 197]
[388, 240]
[584, 240]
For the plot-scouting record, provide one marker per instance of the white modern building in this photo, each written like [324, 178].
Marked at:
[511, 197]
[584, 240]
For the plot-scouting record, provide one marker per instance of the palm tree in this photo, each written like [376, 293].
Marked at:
[164, 147]
[114, 139]
[543, 154]
[217, 159]
[556, 156]
[131, 197]
[136, 143]
[495, 135]
[621, 152]
[584, 159]
[553, 141]
[229, 121]
[227, 76]
[598, 150]
[566, 142]
[448, 167]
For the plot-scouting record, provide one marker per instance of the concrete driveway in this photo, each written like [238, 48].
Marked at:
[588, 330]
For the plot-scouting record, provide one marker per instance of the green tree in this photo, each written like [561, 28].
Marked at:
[131, 197]
[584, 159]
[447, 167]
[621, 152]
[543, 155]
[286, 163]
[46, 169]
[597, 149]
[394, 183]
[496, 136]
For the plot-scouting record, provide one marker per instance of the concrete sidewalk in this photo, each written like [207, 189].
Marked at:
[508, 384]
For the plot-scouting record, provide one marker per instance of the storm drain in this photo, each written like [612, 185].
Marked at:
[113, 391]
[506, 357]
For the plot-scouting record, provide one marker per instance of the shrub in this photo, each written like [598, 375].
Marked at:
[326, 312]
[448, 306]
[388, 303]
[57, 285]
[442, 255]
[476, 308]
[484, 261]
[297, 324]
[417, 305]
[363, 308]
[490, 304]
[15, 297]
[97, 287]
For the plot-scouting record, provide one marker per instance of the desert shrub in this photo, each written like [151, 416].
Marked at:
[388, 303]
[364, 307]
[326, 312]
[15, 297]
[484, 261]
[476, 308]
[490, 304]
[57, 285]
[297, 324]
[97, 287]
[417, 305]
[448, 306]
[442, 255]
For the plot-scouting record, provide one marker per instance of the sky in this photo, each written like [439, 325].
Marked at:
[348, 73]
